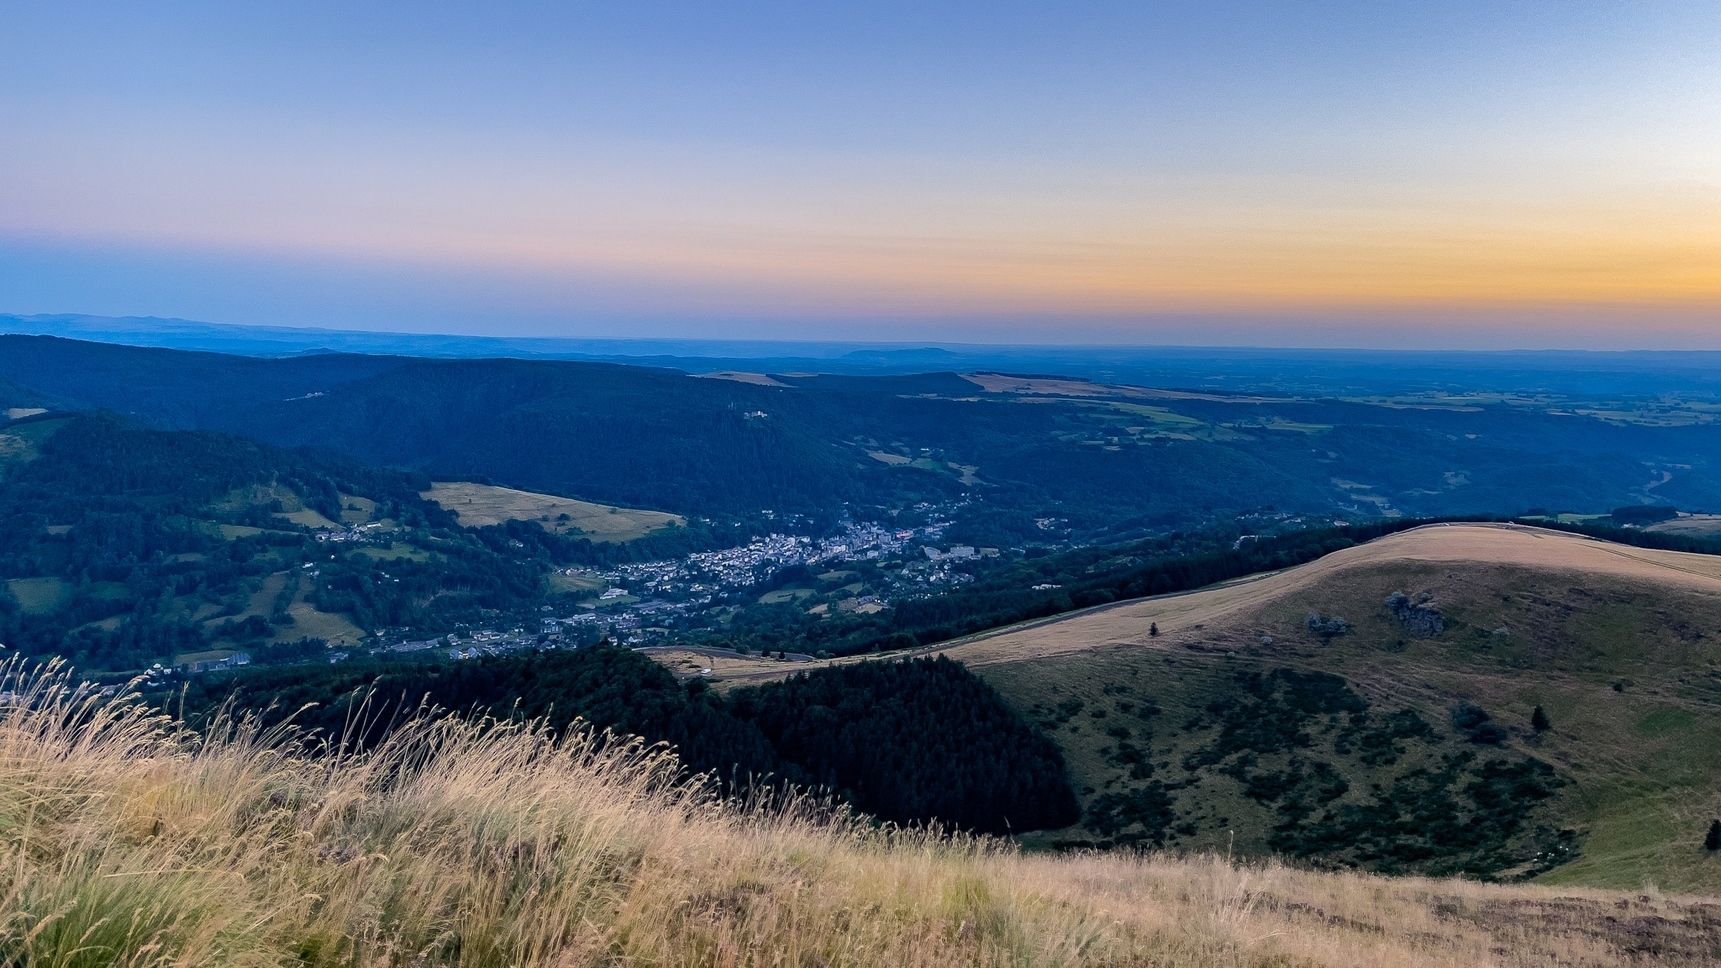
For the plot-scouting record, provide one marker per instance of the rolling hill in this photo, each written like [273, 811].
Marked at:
[1095, 461]
[483, 505]
[1322, 711]
[1376, 708]
[1234, 615]
[123, 546]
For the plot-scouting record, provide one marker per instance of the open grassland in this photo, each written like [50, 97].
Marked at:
[395, 551]
[209, 655]
[1200, 616]
[578, 583]
[261, 599]
[1620, 646]
[1691, 525]
[357, 510]
[332, 627]
[725, 664]
[292, 506]
[20, 443]
[1185, 616]
[1053, 386]
[130, 842]
[262, 593]
[482, 505]
[757, 379]
[40, 596]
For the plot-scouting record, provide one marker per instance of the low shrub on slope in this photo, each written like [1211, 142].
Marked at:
[129, 841]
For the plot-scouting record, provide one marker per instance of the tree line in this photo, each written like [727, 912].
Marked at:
[915, 741]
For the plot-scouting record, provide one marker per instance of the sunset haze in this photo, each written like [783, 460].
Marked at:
[1353, 174]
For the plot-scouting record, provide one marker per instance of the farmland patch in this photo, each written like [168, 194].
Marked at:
[483, 505]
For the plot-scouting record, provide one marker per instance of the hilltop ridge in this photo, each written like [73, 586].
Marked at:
[1213, 617]
[1457, 634]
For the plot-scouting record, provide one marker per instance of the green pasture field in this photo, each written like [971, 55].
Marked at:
[212, 655]
[20, 443]
[562, 584]
[308, 622]
[397, 550]
[482, 505]
[357, 510]
[40, 596]
[293, 507]
[1693, 525]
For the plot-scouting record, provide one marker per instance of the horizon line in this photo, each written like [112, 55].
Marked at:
[705, 345]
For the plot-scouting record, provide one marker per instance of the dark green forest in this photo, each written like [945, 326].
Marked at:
[1105, 467]
[907, 741]
[150, 554]
[912, 740]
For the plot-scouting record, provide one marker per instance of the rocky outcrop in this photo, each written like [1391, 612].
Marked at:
[1419, 619]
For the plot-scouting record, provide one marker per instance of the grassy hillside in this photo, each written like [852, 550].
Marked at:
[483, 505]
[129, 842]
[1255, 714]
[124, 546]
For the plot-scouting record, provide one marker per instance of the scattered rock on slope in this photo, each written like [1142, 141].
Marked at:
[1421, 620]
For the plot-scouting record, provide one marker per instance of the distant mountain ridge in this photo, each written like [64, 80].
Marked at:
[1327, 372]
[1025, 456]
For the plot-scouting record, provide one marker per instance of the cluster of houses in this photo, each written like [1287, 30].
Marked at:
[353, 532]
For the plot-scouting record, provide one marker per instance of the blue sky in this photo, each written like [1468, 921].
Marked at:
[1287, 174]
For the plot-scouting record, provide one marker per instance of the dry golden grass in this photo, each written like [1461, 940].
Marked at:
[1236, 606]
[293, 506]
[723, 663]
[1190, 616]
[482, 505]
[1692, 525]
[22, 443]
[739, 376]
[132, 842]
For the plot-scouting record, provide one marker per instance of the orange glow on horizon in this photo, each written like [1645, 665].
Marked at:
[1577, 261]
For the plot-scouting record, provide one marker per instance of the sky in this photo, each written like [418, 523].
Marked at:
[1384, 174]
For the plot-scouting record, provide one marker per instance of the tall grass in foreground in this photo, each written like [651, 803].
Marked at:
[132, 841]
